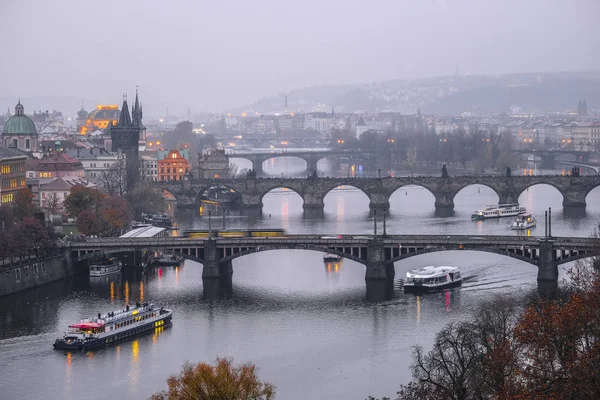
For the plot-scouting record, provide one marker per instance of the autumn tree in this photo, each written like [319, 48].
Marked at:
[31, 236]
[82, 199]
[222, 381]
[23, 204]
[115, 213]
[145, 197]
[88, 223]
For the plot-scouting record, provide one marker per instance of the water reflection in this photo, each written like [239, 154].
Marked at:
[418, 299]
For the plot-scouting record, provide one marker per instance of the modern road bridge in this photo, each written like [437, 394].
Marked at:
[378, 255]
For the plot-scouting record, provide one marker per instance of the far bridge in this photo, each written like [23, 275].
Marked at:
[312, 158]
[377, 254]
[574, 190]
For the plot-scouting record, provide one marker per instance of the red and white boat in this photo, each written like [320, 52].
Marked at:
[114, 326]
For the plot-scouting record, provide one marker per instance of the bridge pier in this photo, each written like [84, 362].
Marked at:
[547, 268]
[216, 276]
[379, 274]
[257, 166]
[311, 165]
[251, 204]
[574, 199]
[380, 208]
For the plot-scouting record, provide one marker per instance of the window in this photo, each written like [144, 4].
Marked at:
[18, 274]
[7, 198]
[45, 174]
[13, 183]
[26, 269]
[43, 264]
[35, 269]
[27, 143]
[6, 169]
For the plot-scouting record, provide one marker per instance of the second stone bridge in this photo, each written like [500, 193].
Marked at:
[574, 190]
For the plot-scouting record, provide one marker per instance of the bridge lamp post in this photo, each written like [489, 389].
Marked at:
[384, 232]
[223, 217]
[209, 225]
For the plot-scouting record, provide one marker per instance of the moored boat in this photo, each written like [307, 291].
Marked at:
[328, 257]
[111, 266]
[499, 211]
[524, 221]
[165, 260]
[162, 220]
[432, 278]
[114, 326]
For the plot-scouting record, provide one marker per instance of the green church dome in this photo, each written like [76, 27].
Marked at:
[19, 124]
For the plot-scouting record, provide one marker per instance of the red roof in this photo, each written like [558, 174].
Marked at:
[87, 325]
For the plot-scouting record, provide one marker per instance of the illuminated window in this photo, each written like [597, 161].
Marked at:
[13, 183]
[6, 169]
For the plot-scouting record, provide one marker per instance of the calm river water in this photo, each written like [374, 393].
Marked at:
[305, 324]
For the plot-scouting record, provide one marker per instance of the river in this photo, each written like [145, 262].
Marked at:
[305, 324]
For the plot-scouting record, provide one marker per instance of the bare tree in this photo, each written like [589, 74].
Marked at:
[114, 180]
[53, 204]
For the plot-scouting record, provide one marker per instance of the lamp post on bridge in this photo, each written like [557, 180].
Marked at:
[209, 225]
[223, 217]
[384, 232]
[374, 225]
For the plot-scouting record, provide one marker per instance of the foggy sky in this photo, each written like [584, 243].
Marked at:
[213, 55]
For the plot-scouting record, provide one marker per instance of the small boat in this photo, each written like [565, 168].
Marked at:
[499, 211]
[165, 260]
[91, 333]
[137, 224]
[328, 257]
[162, 220]
[524, 221]
[432, 278]
[111, 266]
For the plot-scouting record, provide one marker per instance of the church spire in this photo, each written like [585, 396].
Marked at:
[125, 117]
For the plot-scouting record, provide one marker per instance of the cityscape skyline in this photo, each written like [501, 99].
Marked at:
[206, 63]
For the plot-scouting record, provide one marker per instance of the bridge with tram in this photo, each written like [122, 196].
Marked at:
[377, 253]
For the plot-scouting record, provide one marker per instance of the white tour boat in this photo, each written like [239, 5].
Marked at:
[432, 278]
[112, 266]
[499, 211]
[114, 326]
[524, 221]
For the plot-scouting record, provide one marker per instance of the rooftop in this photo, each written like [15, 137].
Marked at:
[144, 231]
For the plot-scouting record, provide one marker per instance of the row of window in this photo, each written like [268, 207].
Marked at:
[7, 198]
[172, 178]
[12, 168]
[162, 170]
[136, 319]
[34, 268]
[104, 165]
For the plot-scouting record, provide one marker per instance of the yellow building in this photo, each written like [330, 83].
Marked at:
[100, 117]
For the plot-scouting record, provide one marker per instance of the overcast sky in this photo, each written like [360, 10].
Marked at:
[211, 55]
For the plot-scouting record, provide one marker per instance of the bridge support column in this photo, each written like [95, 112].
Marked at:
[573, 199]
[507, 197]
[251, 204]
[379, 202]
[311, 165]
[444, 202]
[216, 276]
[313, 205]
[379, 275]
[257, 166]
[547, 268]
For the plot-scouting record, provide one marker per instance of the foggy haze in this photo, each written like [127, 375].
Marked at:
[215, 55]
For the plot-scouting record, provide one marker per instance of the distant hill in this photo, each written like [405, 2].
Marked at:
[548, 92]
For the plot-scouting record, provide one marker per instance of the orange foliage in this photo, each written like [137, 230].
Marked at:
[222, 381]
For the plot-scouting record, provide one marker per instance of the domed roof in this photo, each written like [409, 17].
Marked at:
[19, 124]
[82, 113]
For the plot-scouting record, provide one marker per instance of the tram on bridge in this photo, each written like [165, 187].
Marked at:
[234, 233]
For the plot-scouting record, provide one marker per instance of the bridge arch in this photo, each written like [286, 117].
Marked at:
[335, 199]
[482, 197]
[526, 197]
[594, 192]
[405, 196]
[320, 249]
[265, 161]
[435, 249]
[284, 201]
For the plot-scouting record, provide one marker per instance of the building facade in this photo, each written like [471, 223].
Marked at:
[149, 168]
[96, 161]
[12, 174]
[57, 165]
[20, 131]
[100, 118]
[58, 189]
[214, 164]
[173, 168]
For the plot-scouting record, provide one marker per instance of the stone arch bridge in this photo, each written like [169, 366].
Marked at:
[574, 190]
[378, 255]
[311, 157]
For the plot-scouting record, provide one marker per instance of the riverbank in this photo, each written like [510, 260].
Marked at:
[33, 274]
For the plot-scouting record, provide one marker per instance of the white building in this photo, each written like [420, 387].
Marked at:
[60, 188]
[96, 161]
[149, 167]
